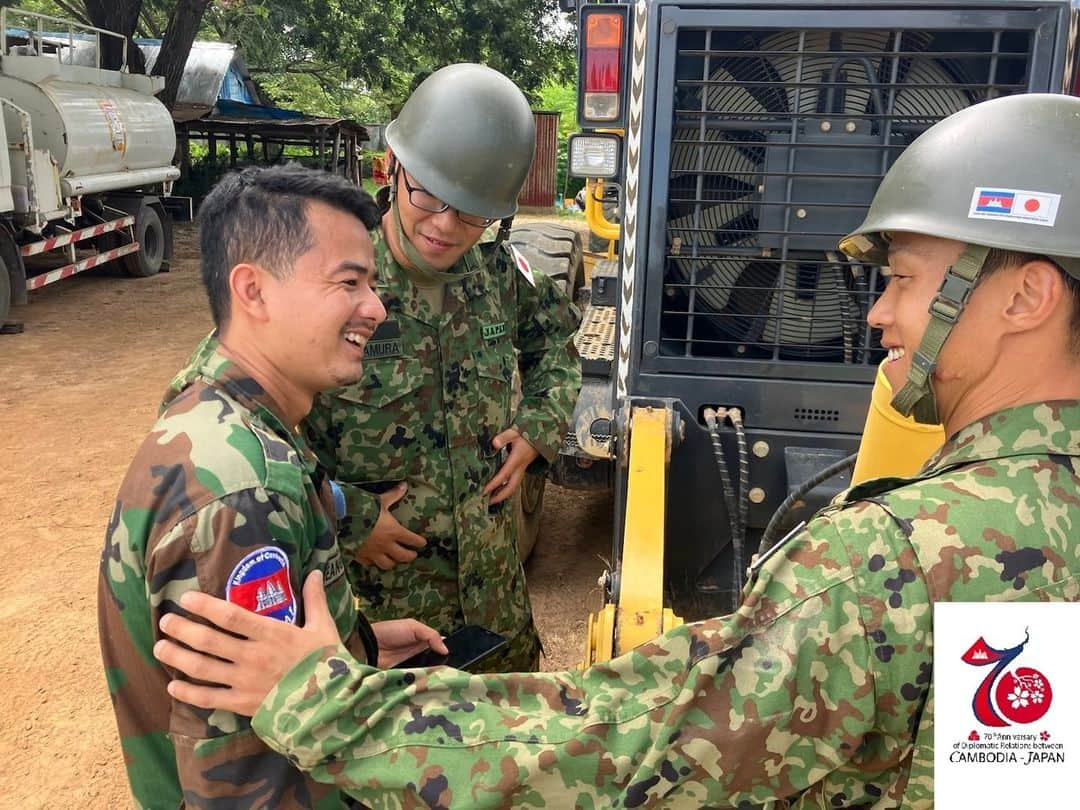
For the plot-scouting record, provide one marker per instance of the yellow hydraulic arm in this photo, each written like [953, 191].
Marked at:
[639, 615]
[594, 212]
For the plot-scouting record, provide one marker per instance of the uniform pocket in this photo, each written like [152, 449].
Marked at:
[378, 420]
[495, 372]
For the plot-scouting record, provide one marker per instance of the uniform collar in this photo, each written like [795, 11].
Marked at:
[1042, 428]
[1039, 428]
[209, 365]
[399, 292]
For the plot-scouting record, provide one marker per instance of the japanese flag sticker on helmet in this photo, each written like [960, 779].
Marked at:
[1014, 205]
[260, 583]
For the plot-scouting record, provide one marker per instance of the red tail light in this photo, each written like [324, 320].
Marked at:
[603, 38]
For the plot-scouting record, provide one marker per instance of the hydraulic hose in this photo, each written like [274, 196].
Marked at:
[735, 417]
[773, 528]
[712, 418]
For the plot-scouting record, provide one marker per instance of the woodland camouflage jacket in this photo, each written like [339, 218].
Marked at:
[221, 497]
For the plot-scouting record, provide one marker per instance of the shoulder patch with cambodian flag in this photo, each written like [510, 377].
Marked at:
[1014, 205]
[260, 583]
[523, 266]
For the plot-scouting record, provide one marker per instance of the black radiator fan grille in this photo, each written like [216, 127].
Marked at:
[779, 141]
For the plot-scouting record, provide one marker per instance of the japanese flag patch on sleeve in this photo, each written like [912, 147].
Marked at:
[523, 266]
[260, 583]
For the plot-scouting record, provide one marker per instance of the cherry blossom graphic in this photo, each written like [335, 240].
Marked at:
[1023, 695]
[1044, 735]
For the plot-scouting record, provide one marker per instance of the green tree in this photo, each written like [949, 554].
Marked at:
[345, 57]
[351, 47]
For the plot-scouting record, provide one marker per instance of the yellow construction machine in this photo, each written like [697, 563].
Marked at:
[729, 370]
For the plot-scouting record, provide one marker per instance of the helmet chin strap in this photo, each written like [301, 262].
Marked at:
[422, 266]
[916, 398]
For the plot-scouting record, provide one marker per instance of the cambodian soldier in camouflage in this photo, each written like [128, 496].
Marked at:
[817, 691]
[222, 496]
[431, 429]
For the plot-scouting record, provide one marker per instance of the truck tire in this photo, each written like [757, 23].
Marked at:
[12, 275]
[530, 504]
[597, 244]
[553, 250]
[151, 236]
[5, 291]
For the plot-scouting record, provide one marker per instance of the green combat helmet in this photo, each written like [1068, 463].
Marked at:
[467, 135]
[1000, 174]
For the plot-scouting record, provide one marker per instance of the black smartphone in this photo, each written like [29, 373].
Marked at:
[378, 487]
[468, 646]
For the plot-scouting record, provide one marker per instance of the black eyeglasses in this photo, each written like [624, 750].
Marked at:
[426, 201]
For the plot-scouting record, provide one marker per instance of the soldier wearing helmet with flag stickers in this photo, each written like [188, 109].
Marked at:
[430, 448]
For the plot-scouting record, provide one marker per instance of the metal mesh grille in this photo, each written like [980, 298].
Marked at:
[780, 139]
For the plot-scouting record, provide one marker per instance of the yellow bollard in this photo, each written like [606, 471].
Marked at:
[892, 445]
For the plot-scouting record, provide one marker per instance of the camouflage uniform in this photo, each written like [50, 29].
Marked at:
[220, 485]
[809, 695]
[436, 391]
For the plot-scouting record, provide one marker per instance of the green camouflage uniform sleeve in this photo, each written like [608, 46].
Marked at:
[217, 755]
[792, 677]
[815, 693]
[548, 360]
[361, 507]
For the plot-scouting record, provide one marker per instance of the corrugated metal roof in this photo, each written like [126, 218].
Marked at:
[213, 70]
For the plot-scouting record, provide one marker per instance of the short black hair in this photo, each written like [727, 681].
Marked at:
[259, 215]
[998, 259]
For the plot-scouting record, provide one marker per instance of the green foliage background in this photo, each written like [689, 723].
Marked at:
[360, 59]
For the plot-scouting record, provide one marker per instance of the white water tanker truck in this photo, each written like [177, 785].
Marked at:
[88, 158]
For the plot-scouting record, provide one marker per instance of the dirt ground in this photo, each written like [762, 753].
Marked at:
[80, 390]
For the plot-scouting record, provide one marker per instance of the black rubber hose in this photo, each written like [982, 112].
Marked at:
[777, 520]
[729, 492]
[739, 550]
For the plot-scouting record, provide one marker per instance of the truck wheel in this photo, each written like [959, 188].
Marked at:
[530, 505]
[12, 275]
[150, 234]
[553, 250]
[5, 291]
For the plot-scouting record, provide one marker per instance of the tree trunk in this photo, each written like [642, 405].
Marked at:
[120, 16]
[179, 35]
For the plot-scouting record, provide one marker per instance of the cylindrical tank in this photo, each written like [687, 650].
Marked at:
[892, 445]
[92, 129]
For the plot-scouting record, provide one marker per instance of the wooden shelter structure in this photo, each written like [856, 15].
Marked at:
[333, 143]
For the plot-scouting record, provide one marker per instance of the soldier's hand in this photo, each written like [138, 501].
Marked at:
[390, 543]
[512, 472]
[403, 638]
[255, 652]
[249, 658]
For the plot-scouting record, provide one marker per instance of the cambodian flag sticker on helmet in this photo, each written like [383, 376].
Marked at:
[1014, 205]
[260, 583]
[995, 202]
